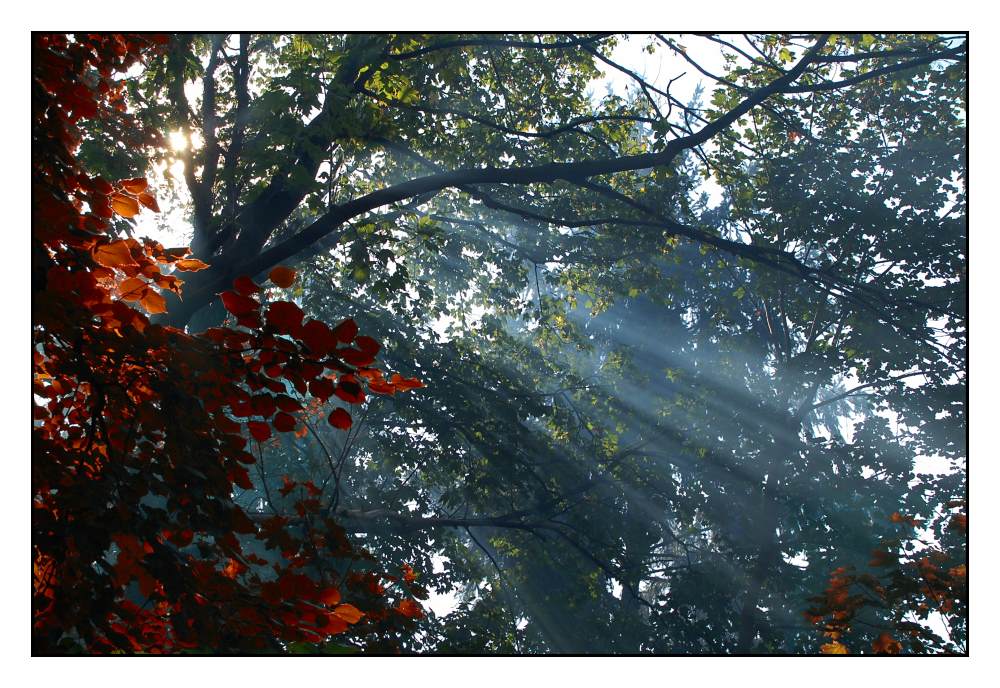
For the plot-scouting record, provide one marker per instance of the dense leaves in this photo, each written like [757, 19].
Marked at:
[138, 545]
[655, 420]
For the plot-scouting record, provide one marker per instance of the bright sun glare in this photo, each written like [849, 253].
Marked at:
[178, 141]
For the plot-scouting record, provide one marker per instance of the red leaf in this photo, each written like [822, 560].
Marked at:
[346, 331]
[245, 285]
[321, 388]
[350, 391]
[356, 357]
[263, 405]
[410, 609]
[286, 403]
[284, 316]
[260, 431]
[237, 304]
[283, 422]
[367, 344]
[340, 419]
[330, 597]
[319, 337]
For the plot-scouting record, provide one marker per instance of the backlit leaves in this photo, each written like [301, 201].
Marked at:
[114, 254]
[124, 205]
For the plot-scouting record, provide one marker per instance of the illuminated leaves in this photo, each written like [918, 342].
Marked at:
[153, 302]
[190, 265]
[113, 255]
[834, 648]
[124, 205]
[149, 201]
[134, 186]
[282, 276]
[349, 613]
[132, 289]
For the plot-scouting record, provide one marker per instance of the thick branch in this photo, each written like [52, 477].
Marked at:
[570, 171]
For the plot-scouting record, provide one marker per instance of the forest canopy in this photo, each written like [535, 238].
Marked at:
[499, 343]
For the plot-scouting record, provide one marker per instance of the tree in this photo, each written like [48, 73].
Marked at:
[646, 428]
[137, 544]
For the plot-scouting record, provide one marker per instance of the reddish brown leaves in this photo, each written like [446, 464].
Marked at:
[410, 609]
[319, 337]
[238, 304]
[283, 422]
[153, 302]
[259, 431]
[346, 331]
[340, 419]
[282, 276]
[284, 316]
[885, 644]
[245, 286]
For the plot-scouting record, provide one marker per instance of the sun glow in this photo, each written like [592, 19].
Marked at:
[178, 141]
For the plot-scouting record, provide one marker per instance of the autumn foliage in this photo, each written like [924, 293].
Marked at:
[913, 586]
[141, 431]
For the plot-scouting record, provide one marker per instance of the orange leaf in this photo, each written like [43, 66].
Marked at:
[113, 255]
[153, 302]
[132, 289]
[149, 201]
[349, 613]
[282, 276]
[134, 186]
[340, 419]
[126, 206]
[411, 609]
[833, 648]
[190, 264]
